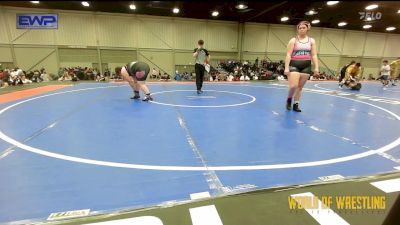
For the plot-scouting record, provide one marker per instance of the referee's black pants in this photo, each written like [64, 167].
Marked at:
[199, 70]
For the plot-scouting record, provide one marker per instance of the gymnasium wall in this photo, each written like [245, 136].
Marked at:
[91, 38]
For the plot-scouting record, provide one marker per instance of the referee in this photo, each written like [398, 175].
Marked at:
[202, 57]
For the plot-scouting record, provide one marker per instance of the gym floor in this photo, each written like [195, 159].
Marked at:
[88, 146]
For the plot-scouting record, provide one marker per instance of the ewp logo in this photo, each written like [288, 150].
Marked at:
[37, 21]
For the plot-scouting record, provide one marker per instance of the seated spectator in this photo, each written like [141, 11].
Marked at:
[371, 77]
[14, 78]
[2, 77]
[95, 73]
[154, 74]
[36, 76]
[29, 75]
[60, 71]
[25, 80]
[77, 69]
[100, 77]
[19, 72]
[44, 76]
[89, 74]
[186, 76]
[165, 77]
[74, 77]
[107, 72]
[66, 76]
[211, 78]
[214, 76]
[6, 76]
[244, 78]
[322, 76]
[230, 77]
[177, 76]
[221, 77]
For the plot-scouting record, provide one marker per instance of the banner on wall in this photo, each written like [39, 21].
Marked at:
[37, 21]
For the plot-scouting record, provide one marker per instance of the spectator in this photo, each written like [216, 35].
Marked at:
[165, 77]
[100, 77]
[213, 76]
[107, 72]
[235, 77]
[14, 78]
[244, 77]
[24, 80]
[186, 76]
[230, 77]
[177, 76]
[60, 71]
[6, 75]
[154, 74]
[89, 74]
[29, 75]
[66, 76]
[74, 77]
[95, 73]
[43, 75]
[2, 77]
[371, 77]
[36, 76]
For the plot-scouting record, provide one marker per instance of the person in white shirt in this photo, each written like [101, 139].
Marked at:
[25, 80]
[230, 77]
[385, 73]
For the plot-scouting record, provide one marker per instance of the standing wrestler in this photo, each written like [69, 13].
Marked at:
[136, 74]
[301, 50]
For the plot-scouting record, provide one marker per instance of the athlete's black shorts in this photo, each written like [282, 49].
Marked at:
[138, 70]
[301, 66]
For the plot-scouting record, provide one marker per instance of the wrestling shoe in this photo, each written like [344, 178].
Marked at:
[296, 107]
[148, 98]
[289, 105]
[135, 97]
